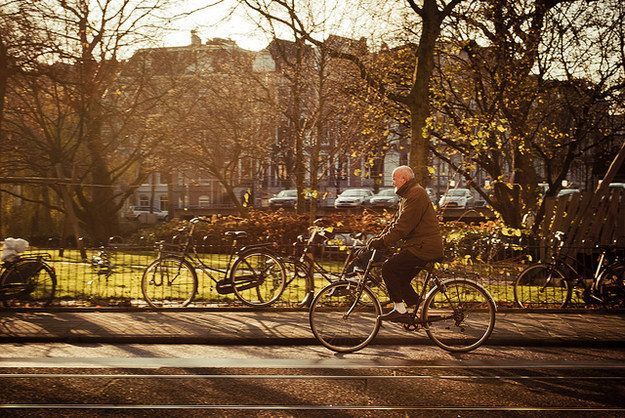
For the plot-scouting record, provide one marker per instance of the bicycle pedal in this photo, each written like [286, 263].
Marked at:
[405, 321]
[410, 327]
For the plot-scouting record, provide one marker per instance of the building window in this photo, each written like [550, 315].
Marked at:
[204, 201]
[164, 202]
[204, 179]
[144, 200]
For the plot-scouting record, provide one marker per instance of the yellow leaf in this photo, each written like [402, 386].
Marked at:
[500, 128]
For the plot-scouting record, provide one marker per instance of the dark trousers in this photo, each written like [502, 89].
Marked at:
[397, 272]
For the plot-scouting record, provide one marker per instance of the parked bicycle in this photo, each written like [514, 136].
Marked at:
[254, 273]
[458, 314]
[27, 281]
[304, 266]
[102, 265]
[553, 284]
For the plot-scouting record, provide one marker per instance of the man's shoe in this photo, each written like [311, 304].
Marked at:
[395, 316]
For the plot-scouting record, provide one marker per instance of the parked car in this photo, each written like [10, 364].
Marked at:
[457, 198]
[566, 192]
[431, 195]
[386, 198]
[351, 198]
[284, 199]
[136, 211]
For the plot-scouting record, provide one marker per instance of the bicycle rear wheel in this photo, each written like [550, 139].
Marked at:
[459, 316]
[610, 286]
[37, 288]
[344, 319]
[258, 278]
[541, 286]
[169, 282]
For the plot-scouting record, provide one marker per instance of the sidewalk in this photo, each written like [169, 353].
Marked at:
[285, 328]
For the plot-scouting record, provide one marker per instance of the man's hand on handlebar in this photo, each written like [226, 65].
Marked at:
[376, 243]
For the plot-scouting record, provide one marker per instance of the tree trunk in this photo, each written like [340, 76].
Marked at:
[420, 92]
[4, 78]
[243, 211]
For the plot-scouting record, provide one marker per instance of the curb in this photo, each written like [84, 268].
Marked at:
[421, 340]
[573, 311]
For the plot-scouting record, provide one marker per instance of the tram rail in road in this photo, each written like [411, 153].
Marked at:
[290, 385]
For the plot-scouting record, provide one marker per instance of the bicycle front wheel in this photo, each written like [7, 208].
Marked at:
[169, 282]
[344, 318]
[541, 286]
[459, 316]
[258, 278]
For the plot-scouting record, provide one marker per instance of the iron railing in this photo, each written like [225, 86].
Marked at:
[111, 276]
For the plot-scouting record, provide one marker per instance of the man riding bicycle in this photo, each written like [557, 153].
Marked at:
[415, 230]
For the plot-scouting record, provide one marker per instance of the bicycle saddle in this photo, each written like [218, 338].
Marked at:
[236, 234]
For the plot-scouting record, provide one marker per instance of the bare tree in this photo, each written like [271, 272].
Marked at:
[80, 118]
[416, 100]
[212, 115]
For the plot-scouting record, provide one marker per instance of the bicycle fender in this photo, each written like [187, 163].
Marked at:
[602, 276]
[241, 253]
[443, 282]
[266, 247]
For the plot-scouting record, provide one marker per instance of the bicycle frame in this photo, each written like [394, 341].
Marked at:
[189, 253]
[429, 277]
[577, 279]
[307, 263]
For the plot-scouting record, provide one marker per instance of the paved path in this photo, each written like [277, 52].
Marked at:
[284, 327]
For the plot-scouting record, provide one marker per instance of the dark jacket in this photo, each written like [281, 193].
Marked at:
[415, 226]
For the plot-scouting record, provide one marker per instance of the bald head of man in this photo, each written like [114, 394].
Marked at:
[402, 175]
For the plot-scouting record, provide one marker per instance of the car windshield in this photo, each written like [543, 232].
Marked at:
[387, 192]
[354, 192]
[457, 192]
[287, 193]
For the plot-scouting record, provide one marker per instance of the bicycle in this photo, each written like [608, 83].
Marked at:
[102, 265]
[254, 273]
[458, 314]
[552, 284]
[29, 279]
[305, 266]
